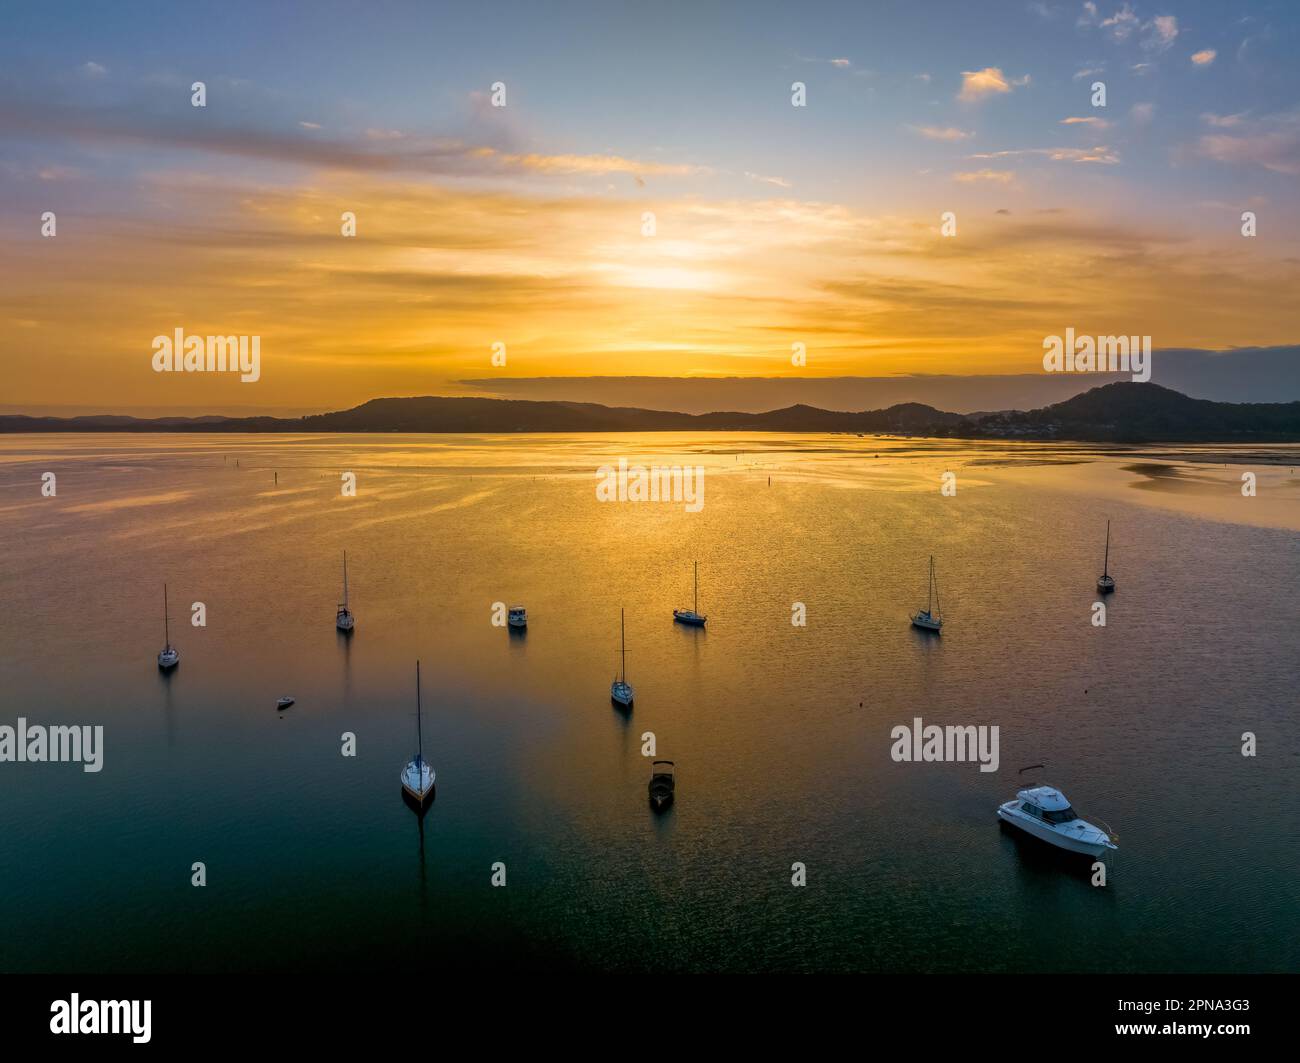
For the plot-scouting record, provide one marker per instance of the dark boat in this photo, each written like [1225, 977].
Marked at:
[662, 781]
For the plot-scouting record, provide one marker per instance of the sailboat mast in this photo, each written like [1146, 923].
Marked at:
[419, 729]
[622, 638]
[1105, 567]
[930, 588]
[696, 608]
[345, 578]
[167, 634]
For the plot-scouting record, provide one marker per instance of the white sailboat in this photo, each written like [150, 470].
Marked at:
[417, 776]
[930, 618]
[345, 621]
[170, 656]
[1106, 582]
[620, 691]
[692, 616]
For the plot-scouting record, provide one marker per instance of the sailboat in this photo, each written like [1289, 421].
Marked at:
[930, 618]
[692, 616]
[620, 691]
[1106, 582]
[344, 621]
[417, 776]
[170, 656]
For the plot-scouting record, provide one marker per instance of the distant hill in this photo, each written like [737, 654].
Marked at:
[1122, 412]
[1139, 413]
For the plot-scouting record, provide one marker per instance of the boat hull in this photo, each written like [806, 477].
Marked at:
[690, 619]
[1105, 585]
[621, 695]
[417, 785]
[926, 623]
[1055, 838]
[166, 662]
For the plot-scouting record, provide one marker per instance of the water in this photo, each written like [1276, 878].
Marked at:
[781, 734]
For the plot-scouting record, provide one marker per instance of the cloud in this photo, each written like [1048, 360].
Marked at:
[376, 150]
[977, 84]
[1122, 24]
[779, 182]
[1142, 113]
[1090, 71]
[309, 125]
[997, 176]
[93, 70]
[1101, 154]
[1160, 33]
[1096, 123]
[1271, 142]
[941, 132]
[1154, 35]
[1204, 57]
[1223, 120]
[841, 62]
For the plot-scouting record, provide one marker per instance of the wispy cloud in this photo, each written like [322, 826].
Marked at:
[1271, 141]
[941, 132]
[1095, 123]
[996, 176]
[1100, 154]
[1204, 57]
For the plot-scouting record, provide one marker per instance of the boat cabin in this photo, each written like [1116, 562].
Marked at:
[1045, 804]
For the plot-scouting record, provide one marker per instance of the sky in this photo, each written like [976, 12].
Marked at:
[525, 225]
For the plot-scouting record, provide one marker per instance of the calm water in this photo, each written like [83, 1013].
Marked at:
[781, 734]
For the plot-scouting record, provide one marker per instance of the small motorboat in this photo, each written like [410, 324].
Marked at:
[169, 657]
[663, 780]
[620, 690]
[1043, 812]
[518, 616]
[344, 620]
[693, 616]
[284, 702]
[1106, 582]
[930, 618]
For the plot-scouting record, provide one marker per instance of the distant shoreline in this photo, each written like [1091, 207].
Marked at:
[1125, 412]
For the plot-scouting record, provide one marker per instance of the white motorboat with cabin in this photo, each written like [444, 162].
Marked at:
[517, 617]
[1106, 582]
[692, 616]
[417, 777]
[930, 618]
[620, 691]
[170, 656]
[1044, 812]
[344, 620]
